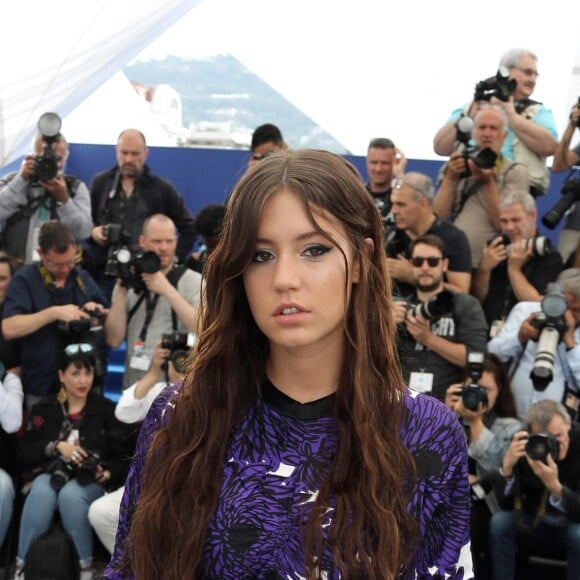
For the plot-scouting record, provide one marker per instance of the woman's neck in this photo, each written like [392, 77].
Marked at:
[304, 378]
[75, 404]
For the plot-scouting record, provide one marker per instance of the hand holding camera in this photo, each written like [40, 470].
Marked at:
[493, 254]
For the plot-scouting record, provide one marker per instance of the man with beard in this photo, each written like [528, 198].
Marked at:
[437, 327]
[126, 195]
[165, 303]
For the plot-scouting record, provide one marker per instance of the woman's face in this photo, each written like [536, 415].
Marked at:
[77, 381]
[296, 281]
[487, 380]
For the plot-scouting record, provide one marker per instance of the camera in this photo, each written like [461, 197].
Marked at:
[500, 86]
[119, 254]
[540, 445]
[60, 473]
[540, 245]
[570, 194]
[552, 325]
[483, 157]
[433, 308]
[473, 394]
[178, 343]
[86, 472]
[47, 163]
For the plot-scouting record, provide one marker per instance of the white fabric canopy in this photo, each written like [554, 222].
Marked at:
[55, 54]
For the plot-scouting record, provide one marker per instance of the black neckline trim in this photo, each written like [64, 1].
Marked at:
[289, 407]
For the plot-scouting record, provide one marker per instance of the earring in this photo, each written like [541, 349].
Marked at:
[61, 396]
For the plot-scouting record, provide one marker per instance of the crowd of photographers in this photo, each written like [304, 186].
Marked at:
[499, 340]
[487, 310]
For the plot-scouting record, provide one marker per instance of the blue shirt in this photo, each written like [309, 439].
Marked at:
[40, 351]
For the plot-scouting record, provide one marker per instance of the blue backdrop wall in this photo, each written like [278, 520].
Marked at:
[205, 176]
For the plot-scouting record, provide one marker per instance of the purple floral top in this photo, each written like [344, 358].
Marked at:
[272, 472]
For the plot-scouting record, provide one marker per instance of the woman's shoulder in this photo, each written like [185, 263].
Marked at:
[428, 423]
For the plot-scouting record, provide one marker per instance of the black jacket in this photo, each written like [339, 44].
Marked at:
[159, 195]
[100, 432]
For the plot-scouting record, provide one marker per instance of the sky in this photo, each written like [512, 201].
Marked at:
[369, 68]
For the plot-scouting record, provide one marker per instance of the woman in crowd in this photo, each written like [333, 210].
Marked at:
[293, 449]
[74, 449]
[489, 417]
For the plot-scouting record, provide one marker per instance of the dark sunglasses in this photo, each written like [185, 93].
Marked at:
[433, 261]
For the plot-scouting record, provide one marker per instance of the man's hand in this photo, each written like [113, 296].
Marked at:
[508, 106]
[399, 311]
[418, 328]
[456, 166]
[520, 253]
[160, 356]
[453, 396]
[400, 269]
[568, 337]
[98, 235]
[527, 330]
[57, 188]
[479, 174]
[27, 168]
[399, 164]
[548, 473]
[516, 449]
[493, 254]
[157, 282]
[69, 312]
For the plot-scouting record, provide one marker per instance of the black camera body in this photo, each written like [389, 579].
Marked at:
[434, 307]
[86, 472]
[540, 445]
[500, 86]
[118, 254]
[552, 324]
[473, 394]
[46, 167]
[178, 344]
[570, 194]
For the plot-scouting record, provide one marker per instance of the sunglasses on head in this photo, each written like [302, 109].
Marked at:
[80, 348]
[432, 261]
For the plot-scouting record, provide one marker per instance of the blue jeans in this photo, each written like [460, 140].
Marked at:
[6, 503]
[72, 501]
[540, 540]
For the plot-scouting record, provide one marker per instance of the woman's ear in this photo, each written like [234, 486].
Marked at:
[366, 251]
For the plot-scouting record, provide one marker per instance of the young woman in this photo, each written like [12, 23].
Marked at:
[75, 449]
[293, 449]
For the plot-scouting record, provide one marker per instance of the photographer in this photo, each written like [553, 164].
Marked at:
[531, 128]
[487, 410]
[132, 408]
[412, 209]
[517, 343]
[42, 296]
[436, 327]
[26, 201]
[384, 164]
[72, 451]
[539, 493]
[165, 303]
[468, 194]
[516, 265]
[565, 158]
[126, 195]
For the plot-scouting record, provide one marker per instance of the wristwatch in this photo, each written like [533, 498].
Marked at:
[506, 477]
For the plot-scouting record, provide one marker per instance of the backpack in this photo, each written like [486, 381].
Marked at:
[52, 556]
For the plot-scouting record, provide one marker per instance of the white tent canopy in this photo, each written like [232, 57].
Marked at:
[358, 69]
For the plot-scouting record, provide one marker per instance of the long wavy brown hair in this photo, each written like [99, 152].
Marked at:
[370, 478]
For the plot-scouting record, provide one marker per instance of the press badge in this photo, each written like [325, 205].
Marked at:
[421, 382]
[140, 361]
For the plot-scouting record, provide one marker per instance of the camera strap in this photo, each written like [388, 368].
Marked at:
[518, 506]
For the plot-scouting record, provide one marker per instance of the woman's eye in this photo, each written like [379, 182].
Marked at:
[262, 256]
[317, 250]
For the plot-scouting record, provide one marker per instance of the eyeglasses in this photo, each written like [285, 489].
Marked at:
[56, 265]
[432, 261]
[529, 72]
[80, 348]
